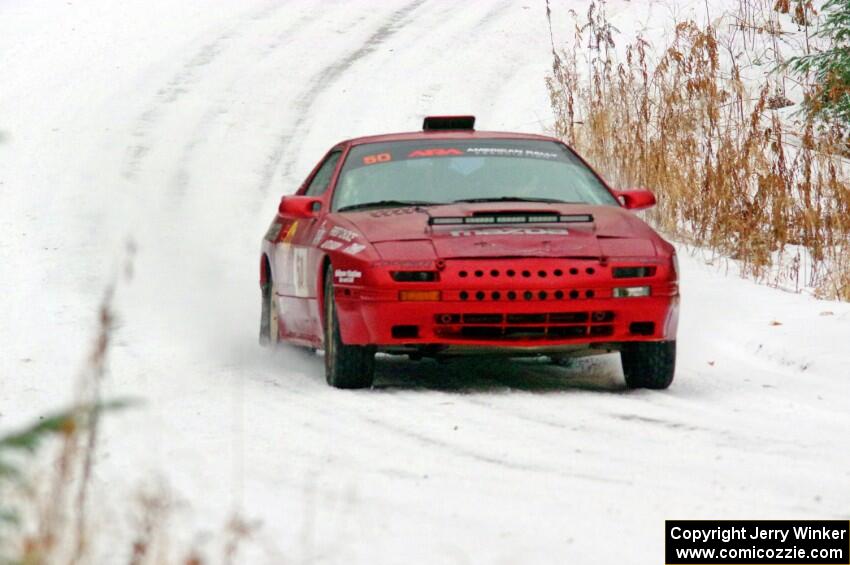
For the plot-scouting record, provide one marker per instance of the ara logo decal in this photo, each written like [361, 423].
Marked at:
[510, 231]
[347, 276]
[436, 152]
[354, 249]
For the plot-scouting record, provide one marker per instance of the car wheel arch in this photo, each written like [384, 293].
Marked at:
[324, 269]
[265, 270]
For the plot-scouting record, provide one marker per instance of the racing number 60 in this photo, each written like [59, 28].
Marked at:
[379, 158]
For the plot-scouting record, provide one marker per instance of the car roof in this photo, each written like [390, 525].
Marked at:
[445, 134]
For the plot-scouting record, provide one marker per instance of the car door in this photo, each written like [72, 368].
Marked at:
[300, 303]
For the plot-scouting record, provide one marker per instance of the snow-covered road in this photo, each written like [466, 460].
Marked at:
[181, 124]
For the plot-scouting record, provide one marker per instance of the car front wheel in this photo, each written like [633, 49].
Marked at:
[346, 366]
[649, 364]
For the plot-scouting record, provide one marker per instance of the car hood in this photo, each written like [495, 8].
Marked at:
[613, 232]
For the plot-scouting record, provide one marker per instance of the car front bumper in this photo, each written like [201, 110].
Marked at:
[517, 323]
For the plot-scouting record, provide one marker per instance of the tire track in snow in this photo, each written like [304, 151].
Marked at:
[322, 81]
[317, 403]
[181, 178]
[183, 82]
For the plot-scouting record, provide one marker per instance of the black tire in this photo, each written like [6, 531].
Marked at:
[346, 366]
[268, 316]
[649, 364]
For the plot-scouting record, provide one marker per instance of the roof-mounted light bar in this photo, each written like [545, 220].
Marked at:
[441, 123]
[512, 219]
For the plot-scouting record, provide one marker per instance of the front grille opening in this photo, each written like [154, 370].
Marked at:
[558, 272]
[496, 295]
[541, 274]
[568, 331]
[511, 295]
[559, 294]
[573, 294]
[642, 328]
[479, 274]
[494, 273]
[480, 295]
[573, 271]
[526, 318]
[520, 326]
[482, 318]
[590, 270]
[511, 272]
[481, 332]
[568, 317]
[528, 295]
[601, 331]
[462, 274]
[464, 295]
[526, 274]
[589, 294]
[405, 332]
[542, 295]
[531, 331]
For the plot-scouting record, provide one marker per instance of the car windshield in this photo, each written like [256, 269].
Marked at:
[443, 171]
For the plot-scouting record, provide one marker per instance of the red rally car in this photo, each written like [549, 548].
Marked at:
[451, 241]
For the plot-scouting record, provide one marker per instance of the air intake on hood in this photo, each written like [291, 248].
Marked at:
[509, 218]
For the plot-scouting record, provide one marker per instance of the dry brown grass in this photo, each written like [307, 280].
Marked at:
[732, 171]
[48, 515]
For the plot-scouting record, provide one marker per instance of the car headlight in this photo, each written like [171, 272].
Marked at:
[633, 272]
[631, 291]
[414, 276]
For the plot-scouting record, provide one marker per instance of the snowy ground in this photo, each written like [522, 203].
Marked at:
[181, 124]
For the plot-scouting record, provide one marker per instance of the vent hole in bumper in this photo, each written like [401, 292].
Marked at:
[642, 328]
[405, 332]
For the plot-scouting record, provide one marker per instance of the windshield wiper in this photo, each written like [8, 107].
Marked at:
[514, 199]
[380, 203]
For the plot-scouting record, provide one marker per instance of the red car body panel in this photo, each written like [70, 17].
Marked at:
[534, 287]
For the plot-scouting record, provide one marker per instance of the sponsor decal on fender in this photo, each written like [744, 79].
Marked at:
[320, 233]
[331, 245]
[347, 276]
[354, 249]
[510, 231]
[290, 233]
[343, 234]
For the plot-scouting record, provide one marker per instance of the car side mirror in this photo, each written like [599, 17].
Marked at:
[635, 198]
[299, 206]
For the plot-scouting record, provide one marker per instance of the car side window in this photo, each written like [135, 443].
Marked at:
[323, 176]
